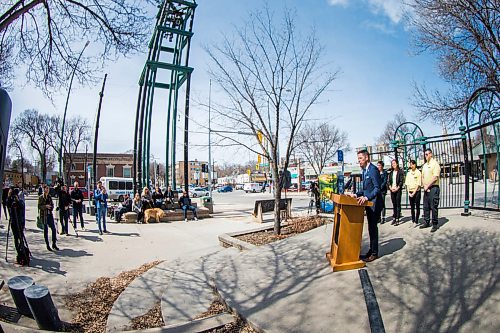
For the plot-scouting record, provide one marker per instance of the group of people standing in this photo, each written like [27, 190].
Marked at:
[415, 180]
[376, 182]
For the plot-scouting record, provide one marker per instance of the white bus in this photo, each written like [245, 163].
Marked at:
[117, 187]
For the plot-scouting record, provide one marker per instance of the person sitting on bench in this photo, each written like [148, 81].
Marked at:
[169, 197]
[125, 208]
[185, 204]
[157, 197]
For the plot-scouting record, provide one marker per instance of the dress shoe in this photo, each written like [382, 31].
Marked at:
[100, 233]
[48, 248]
[54, 246]
[434, 228]
[425, 225]
[364, 256]
[371, 258]
[393, 222]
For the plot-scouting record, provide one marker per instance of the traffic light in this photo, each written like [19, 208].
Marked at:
[204, 168]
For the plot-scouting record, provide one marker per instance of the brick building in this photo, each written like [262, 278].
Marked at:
[107, 165]
[195, 174]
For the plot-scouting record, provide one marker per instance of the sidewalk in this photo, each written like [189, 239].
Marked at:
[423, 282]
[84, 259]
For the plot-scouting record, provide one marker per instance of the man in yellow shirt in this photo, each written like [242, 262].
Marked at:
[430, 182]
[413, 184]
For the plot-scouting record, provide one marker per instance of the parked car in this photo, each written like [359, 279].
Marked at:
[253, 187]
[225, 188]
[198, 192]
[84, 190]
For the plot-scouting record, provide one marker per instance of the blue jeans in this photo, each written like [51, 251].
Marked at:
[101, 214]
[191, 208]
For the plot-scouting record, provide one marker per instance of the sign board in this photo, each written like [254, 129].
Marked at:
[340, 155]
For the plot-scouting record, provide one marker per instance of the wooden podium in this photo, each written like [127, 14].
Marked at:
[347, 233]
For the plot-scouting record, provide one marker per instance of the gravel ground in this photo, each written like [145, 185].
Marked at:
[91, 307]
[295, 226]
[152, 318]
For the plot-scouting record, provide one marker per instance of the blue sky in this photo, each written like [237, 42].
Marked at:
[366, 40]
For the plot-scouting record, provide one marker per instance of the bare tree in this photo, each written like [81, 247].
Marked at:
[319, 143]
[77, 134]
[268, 63]
[49, 35]
[464, 36]
[35, 129]
[390, 129]
[6, 69]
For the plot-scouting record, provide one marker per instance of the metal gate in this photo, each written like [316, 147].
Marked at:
[469, 159]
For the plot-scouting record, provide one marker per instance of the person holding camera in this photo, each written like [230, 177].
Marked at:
[64, 203]
[45, 207]
[101, 199]
[14, 206]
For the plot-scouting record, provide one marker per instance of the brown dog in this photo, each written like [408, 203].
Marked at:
[156, 213]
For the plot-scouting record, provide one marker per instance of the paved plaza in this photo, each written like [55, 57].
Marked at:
[423, 282]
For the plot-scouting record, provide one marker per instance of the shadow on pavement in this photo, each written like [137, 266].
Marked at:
[390, 246]
[446, 282]
[73, 253]
[49, 266]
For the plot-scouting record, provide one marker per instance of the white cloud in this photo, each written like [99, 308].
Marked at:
[338, 2]
[392, 8]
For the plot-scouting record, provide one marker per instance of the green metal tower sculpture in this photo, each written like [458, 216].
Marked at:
[168, 57]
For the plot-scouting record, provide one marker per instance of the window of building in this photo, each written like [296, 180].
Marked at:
[127, 172]
[110, 171]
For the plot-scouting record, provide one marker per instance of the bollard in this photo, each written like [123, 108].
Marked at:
[42, 307]
[17, 285]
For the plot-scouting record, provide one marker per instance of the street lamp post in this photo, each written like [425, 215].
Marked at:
[209, 140]
[66, 109]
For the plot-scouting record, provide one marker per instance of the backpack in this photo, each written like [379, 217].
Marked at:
[24, 254]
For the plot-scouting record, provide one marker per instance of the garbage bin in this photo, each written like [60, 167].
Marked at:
[208, 203]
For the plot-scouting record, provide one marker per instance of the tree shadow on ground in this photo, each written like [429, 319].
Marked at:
[444, 283]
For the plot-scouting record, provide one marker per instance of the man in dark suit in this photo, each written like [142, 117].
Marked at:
[370, 191]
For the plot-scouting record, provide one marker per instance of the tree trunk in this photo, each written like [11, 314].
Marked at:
[43, 166]
[277, 198]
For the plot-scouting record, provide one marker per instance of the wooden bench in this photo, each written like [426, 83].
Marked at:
[266, 206]
[176, 215]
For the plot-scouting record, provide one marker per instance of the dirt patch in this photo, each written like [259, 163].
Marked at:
[151, 319]
[91, 307]
[295, 226]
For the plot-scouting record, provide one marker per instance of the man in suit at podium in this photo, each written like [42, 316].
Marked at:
[370, 191]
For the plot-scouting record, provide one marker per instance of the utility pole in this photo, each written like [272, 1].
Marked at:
[64, 115]
[209, 140]
[94, 160]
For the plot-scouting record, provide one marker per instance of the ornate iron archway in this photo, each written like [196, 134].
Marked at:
[483, 119]
[169, 55]
[409, 142]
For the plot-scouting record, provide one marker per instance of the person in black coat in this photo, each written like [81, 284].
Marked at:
[383, 186]
[169, 195]
[77, 199]
[63, 206]
[395, 182]
[157, 197]
[14, 206]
